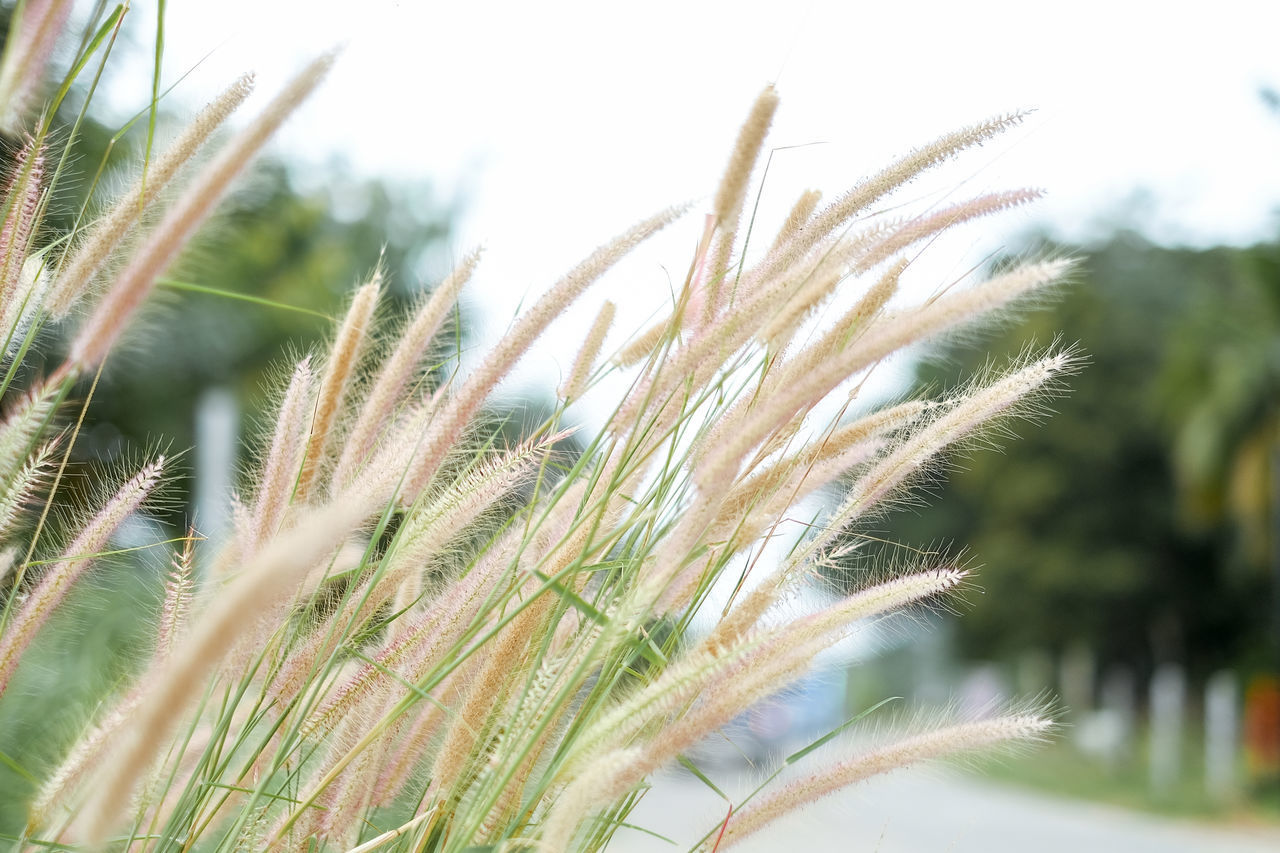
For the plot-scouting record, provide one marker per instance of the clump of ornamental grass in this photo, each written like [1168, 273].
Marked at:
[391, 650]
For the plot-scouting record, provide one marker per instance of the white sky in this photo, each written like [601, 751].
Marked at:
[563, 123]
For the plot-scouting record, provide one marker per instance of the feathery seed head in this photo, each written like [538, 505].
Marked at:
[576, 383]
[283, 462]
[79, 555]
[37, 28]
[737, 174]
[107, 321]
[94, 248]
[841, 211]
[21, 203]
[270, 577]
[928, 745]
[340, 368]
[385, 397]
[463, 405]
[796, 219]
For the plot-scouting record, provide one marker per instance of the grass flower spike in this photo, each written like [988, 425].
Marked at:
[106, 235]
[130, 288]
[79, 555]
[963, 737]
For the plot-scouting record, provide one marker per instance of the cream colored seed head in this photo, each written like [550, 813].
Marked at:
[576, 383]
[108, 320]
[92, 251]
[928, 745]
[340, 367]
[80, 554]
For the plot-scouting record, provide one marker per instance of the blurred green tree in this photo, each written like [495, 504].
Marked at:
[1135, 519]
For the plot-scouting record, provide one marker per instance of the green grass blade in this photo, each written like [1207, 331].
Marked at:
[702, 777]
[191, 287]
[18, 768]
[154, 106]
[109, 28]
[834, 733]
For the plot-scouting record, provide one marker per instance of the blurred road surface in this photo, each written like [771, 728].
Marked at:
[923, 811]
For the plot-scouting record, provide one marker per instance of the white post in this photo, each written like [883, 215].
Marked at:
[1168, 695]
[217, 426]
[1221, 735]
[1075, 679]
[1118, 702]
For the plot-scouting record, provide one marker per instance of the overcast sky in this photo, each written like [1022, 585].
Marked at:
[562, 123]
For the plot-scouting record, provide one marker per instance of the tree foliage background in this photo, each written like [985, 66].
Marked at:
[1139, 518]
